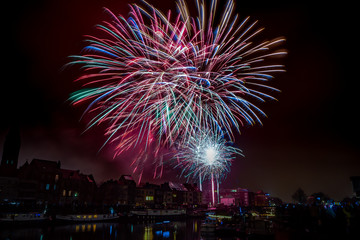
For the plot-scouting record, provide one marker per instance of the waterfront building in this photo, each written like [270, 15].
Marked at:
[355, 180]
[261, 199]
[45, 182]
[41, 178]
[118, 192]
[145, 195]
[76, 189]
[165, 196]
[237, 197]
[194, 195]
[9, 188]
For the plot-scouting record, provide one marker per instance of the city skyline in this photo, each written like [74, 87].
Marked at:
[308, 140]
[12, 147]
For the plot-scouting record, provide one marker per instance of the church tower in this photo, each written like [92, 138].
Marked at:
[11, 151]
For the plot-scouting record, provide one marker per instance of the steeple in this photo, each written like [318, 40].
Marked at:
[11, 151]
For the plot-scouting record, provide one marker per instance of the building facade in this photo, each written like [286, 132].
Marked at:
[118, 192]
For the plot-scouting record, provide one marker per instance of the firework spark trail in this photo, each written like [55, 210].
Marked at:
[151, 76]
[206, 156]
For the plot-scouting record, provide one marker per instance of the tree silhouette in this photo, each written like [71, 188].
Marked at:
[320, 196]
[299, 196]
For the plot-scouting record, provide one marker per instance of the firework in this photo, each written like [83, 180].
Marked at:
[154, 78]
[206, 156]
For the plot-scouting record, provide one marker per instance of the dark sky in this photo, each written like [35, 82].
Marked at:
[310, 138]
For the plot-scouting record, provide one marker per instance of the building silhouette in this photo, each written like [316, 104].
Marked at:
[11, 150]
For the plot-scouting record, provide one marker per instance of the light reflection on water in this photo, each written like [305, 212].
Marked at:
[178, 230]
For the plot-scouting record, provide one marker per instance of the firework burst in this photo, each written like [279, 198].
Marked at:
[206, 156]
[155, 79]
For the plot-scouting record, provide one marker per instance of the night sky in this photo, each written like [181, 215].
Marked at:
[309, 140]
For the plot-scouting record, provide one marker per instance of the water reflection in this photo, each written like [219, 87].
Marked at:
[186, 229]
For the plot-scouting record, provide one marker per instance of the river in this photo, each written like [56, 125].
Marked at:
[180, 230]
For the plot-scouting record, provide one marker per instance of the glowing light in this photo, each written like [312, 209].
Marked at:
[206, 155]
[210, 155]
[166, 234]
[153, 78]
[149, 198]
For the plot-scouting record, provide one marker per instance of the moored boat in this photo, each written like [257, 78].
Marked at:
[22, 217]
[88, 217]
[159, 212]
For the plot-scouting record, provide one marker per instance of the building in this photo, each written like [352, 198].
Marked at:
[180, 196]
[40, 181]
[76, 189]
[128, 190]
[237, 197]
[245, 198]
[227, 200]
[165, 196]
[356, 185]
[261, 199]
[194, 195]
[11, 150]
[45, 182]
[9, 189]
[118, 192]
[168, 195]
[145, 195]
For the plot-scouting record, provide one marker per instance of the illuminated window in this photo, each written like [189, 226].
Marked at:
[56, 177]
[64, 193]
[149, 198]
[69, 194]
[47, 186]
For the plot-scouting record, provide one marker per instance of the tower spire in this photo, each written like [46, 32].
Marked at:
[11, 152]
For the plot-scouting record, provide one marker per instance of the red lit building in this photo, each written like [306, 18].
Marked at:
[237, 197]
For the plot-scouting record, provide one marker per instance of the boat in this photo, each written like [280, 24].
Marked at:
[88, 217]
[22, 217]
[159, 212]
[209, 225]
